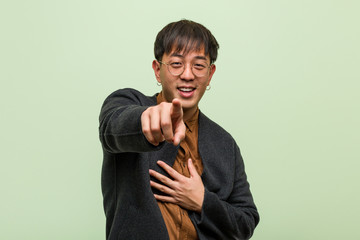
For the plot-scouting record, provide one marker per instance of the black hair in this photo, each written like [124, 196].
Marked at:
[185, 35]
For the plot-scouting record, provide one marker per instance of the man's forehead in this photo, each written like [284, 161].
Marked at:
[197, 53]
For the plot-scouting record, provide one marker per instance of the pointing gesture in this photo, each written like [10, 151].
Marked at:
[164, 122]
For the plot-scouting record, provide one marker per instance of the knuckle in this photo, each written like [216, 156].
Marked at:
[162, 179]
[151, 108]
[165, 124]
[147, 112]
[146, 130]
[172, 171]
[164, 104]
[161, 105]
[182, 135]
[156, 129]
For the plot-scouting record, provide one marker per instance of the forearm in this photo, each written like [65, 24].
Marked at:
[120, 123]
[120, 130]
[229, 216]
[225, 221]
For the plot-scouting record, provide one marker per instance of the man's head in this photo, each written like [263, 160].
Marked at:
[185, 36]
[185, 52]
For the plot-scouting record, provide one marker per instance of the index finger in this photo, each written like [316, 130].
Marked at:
[172, 172]
[176, 110]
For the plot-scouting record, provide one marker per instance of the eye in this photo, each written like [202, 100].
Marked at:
[199, 66]
[176, 64]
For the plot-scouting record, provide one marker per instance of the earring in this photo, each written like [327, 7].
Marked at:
[208, 87]
[158, 83]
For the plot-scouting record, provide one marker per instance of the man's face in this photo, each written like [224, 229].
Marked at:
[186, 87]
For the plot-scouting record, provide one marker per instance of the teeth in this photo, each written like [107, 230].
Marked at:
[186, 89]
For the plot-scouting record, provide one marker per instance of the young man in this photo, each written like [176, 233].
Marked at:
[169, 172]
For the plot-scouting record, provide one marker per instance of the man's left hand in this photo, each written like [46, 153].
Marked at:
[183, 191]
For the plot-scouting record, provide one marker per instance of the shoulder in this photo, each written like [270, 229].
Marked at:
[129, 96]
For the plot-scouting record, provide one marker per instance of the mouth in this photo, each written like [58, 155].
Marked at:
[186, 89]
[186, 92]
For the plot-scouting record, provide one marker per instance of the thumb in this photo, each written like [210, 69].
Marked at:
[192, 169]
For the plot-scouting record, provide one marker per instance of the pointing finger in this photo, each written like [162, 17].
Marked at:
[177, 111]
[179, 133]
[178, 123]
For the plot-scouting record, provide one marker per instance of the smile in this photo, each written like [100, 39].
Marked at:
[186, 89]
[186, 92]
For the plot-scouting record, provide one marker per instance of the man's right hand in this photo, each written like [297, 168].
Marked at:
[164, 122]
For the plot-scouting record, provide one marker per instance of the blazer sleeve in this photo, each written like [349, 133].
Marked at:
[120, 122]
[233, 218]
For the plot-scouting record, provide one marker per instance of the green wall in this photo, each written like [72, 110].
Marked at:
[286, 87]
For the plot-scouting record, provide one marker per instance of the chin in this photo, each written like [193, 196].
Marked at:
[187, 105]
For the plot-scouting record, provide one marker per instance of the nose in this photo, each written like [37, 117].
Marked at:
[187, 75]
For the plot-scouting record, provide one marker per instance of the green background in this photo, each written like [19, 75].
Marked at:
[286, 88]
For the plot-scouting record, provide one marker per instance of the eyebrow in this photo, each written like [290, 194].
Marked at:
[181, 56]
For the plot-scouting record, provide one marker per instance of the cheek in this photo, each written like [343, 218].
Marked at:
[165, 77]
[202, 91]
[204, 84]
[202, 87]
[162, 75]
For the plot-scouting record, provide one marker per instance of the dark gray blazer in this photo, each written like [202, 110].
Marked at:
[131, 210]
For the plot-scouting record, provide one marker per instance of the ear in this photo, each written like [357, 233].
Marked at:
[156, 67]
[212, 71]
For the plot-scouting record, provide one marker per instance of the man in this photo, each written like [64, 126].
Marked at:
[169, 172]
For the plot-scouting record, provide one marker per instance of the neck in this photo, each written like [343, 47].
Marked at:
[188, 113]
